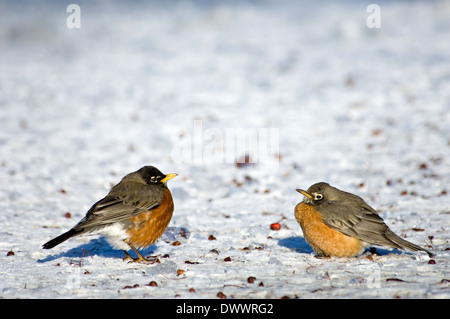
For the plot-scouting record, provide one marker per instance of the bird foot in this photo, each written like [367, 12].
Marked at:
[141, 259]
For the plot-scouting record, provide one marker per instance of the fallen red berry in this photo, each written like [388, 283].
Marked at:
[275, 226]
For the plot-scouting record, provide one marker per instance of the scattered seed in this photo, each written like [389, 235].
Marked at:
[275, 226]
[221, 295]
[431, 262]
[180, 272]
[152, 284]
[214, 251]
[176, 243]
[67, 215]
[191, 290]
[244, 161]
[131, 287]
[10, 253]
[237, 183]
[183, 233]
[394, 279]
[23, 124]
[211, 237]
[251, 279]
[227, 259]
[131, 148]
[349, 81]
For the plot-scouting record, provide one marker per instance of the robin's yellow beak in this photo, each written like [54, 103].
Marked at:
[168, 176]
[301, 191]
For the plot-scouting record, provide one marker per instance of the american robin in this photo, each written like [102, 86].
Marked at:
[134, 214]
[337, 223]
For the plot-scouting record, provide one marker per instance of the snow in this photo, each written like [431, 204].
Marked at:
[366, 110]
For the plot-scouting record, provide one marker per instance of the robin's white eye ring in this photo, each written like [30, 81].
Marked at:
[318, 196]
[153, 179]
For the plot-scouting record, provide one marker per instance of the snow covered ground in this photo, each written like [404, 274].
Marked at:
[365, 109]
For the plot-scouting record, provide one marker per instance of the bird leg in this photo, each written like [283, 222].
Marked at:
[127, 257]
[140, 258]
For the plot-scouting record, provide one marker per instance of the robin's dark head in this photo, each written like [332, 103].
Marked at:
[153, 176]
[319, 193]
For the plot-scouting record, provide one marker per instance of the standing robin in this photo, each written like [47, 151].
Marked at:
[134, 214]
[337, 223]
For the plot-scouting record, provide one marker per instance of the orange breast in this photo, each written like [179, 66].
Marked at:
[151, 225]
[323, 239]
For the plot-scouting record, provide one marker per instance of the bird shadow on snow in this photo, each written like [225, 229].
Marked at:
[300, 245]
[95, 247]
[297, 244]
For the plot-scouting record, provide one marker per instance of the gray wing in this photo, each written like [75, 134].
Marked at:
[360, 221]
[363, 222]
[122, 203]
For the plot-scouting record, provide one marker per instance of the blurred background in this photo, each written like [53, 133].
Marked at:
[120, 91]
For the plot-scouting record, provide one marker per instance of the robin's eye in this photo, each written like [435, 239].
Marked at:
[318, 196]
[153, 179]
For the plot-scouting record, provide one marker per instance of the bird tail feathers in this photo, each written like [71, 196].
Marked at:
[61, 238]
[399, 242]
